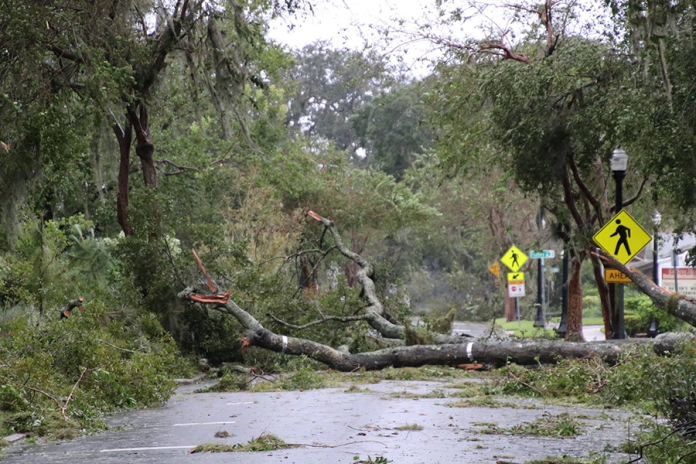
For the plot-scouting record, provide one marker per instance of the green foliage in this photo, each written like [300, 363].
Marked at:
[443, 324]
[265, 442]
[560, 426]
[110, 364]
[641, 311]
[418, 335]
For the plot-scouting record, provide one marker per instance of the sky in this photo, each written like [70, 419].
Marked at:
[354, 23]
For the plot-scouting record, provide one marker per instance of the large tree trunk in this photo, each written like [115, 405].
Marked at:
[509, 307]
[488, 352]
[604, 296]
[124, 136]
[574, 331]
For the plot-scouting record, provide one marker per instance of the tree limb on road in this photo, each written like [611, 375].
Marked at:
[487, 352]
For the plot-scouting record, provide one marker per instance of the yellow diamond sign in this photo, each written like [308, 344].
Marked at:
[622, 237]
[514, 258]
[495, 269]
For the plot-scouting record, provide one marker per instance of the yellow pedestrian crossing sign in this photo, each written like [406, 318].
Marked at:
[622, 237]
[495, 269]
[515, 278]
[514, 258]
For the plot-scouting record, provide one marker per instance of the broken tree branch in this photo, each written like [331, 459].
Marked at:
[676, 304]
[374, 310]
[67, 402]
[319, 321]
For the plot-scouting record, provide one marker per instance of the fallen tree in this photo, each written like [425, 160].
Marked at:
[488, 352]
[443, 353]
[675, 304]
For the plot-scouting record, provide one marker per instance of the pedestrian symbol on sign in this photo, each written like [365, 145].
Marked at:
[624, 234]
[514, 260]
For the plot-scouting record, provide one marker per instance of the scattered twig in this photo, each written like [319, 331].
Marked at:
[337, 446]
[116, 347]
[526, 384]
[48, 395]
[67, 402]
[319, 321]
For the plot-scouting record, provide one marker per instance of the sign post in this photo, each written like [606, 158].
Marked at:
[540, 318]
[623, 238]
[514, 259]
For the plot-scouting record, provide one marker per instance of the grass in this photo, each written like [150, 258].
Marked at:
[416, 396]
[265, 442]
[484, 402]
[561, 426]
[585, 320]
[523, 325]
[414, 427]
[529, 325]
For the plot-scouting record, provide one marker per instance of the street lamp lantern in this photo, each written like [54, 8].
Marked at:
[657, 218]
[619, 160]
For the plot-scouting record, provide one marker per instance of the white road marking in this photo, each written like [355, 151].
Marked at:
[204, 423]
[153, 448]
[243, 402]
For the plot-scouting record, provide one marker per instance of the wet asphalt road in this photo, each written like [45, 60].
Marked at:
[361, 424]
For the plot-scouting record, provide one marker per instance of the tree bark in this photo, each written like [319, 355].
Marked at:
[604, 296]
[124, 136]
[574, 330]
[144, 148]
[509, 307]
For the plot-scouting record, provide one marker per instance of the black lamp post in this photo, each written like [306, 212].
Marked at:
[619, 161]
[654, 323]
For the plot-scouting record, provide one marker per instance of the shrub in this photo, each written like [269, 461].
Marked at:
[117, 365]
[642, 311]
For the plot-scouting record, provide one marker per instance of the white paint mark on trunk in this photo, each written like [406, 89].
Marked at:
[241, 402]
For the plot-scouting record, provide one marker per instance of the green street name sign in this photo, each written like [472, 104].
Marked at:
[542, 254]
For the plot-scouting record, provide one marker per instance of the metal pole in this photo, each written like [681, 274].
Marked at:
[563, 326]
[517, 312]
[674, 266]
[654, 323]
[619, 326]
[540, 319]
